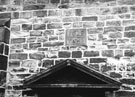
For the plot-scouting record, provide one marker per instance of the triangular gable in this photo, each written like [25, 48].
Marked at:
[79, 76]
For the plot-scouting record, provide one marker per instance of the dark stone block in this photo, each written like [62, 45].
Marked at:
[106, 68]
[78, 12]
[115, 75]
[77, 54]
[128, 28]
[55, 1]
[43, 1]
[21, 56]
[33, 7]
[40, 13]
[39, 27]
[124, 94]
[129, 34]
[15, 15]
[64, 54]
[4, 35]
[91, 18]
[6, 51]
[129, 53]
[2, 78]
[4, 2]
[26, 26]
[128, 81]
[5, 15]
[91, 53]
[1, 48]
[3, 62]
[14, 64]
[108, 53]
[98, 60]
[2, 9]
[48, 63]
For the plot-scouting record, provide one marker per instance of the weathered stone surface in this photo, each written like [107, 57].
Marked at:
[2, 78]
[34, 45]
[54, 13]
[128, 22]
[20, 56]
[4, 35]
[94, 66]
[38, 55]
[69, 12]
[115, 75]
[91, 53]
[126, 2]
[77, 24]
[26, 26]
[36, 33]
[120, 10]
[42, 39]
[53, 38]
[39, 27]
[128, 28]
[41, 13]
[78, 12]
[5, 15]
[100, 24]
[48, 63]
[122, 41]
[1, 48]
[124, 16]
[106, 68]
[6, 50]
[129, 34]
[89, 24]
[108, 53]
[48, 32]
[95, 30]
[128, 81]
[98, 60]
[33, 7]
[118, 53]
[76, 54]
[29, 2]
[30, 63]
[55, 1]
[52, 44]
[31, 39]
[129, 53]
[115, 35]
[105, 11]
[15, 28]
[112, 29]
[43, 1]
[54, 26]
[14, 64]
[15, 15]
[124, 94]
[71, 19]
[25, 15]
[132, 8]
[17, 40]
[64, 54]
[109, 42]
[91, 18]
[113, 23]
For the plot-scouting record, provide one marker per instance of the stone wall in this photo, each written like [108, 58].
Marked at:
[39, 38]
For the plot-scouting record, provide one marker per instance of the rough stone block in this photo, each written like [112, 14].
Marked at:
[48, 32]
[5, 15]
[4, 35]
[76, 54]
[115, 35]
[124, 16]
[31, 39]
[34, 45]
[91, 18]
[128, 22]
[20, 56]
[6, 50]
[55, 1]
[17, 40]
[115, 75]
[39, 27]
[42, 39]
[68, 12]
[120, 10]
[52, 44]
[38, 55]
[25, 15]
[112, 29]
[98, 60]
[128, 81]
[53, 38]
[1, 48]
[95, 66]
[132, 8]
[129, 34]
[126, 2]
[54, 26]
[43, 1]
[15, 15]
[48, 63]
[64, 54]
[113, 23]
[105, 11]
[15, 28]
[2, 78]
[91, 53]
[33, 7]
[40, 13]
[78, 12]
[77, 24]
[3, 62]
[4, 2]
[128, 28]
[2, 9]
[106, 68]
[89, 24]
[14, 64]
[95, 30]
[29, 2]
[54, 12]
[36, 33]
[108, 53]
[26, 26]
[129, 53]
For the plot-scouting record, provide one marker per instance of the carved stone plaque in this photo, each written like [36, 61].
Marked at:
[76, 37]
